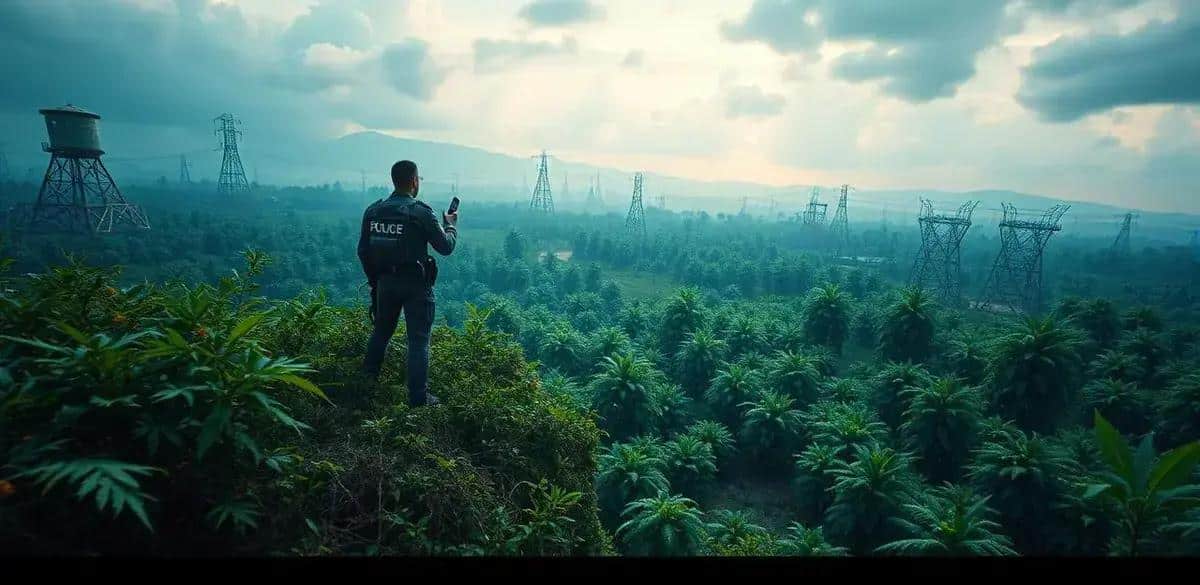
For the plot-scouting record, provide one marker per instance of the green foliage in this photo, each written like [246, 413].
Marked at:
[732, 386]
[698, 359]
[967, 358]
[1023, 474]
[869, 492]
[727, 527]
[1035, 373]
[952, 521]
[770, 429]
[1117, 365]
[844, 424]
[907, 331]
[888, 394]
[622, 395]
[683, 314]
[628, 473]
[826, 317]
[1120, 401]
[744, 335]
[691, 464]
[672, 408]
[663, 525]
[797, 375]
[801, 541]
[716, 436]
[813, 479]
[941, 425]
[1179, 410]
[1148, 490]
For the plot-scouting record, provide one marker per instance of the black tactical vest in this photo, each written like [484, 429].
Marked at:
[395, 236]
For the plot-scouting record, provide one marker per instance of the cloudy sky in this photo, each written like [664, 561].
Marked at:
[1080, 99]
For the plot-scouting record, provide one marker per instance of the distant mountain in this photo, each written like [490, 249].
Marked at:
[492, 176]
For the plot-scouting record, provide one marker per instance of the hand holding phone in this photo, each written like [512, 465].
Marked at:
[451, 215]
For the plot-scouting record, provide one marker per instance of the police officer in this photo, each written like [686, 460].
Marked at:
[394, 256]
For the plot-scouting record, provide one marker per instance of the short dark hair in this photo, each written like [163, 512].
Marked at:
[403, 173]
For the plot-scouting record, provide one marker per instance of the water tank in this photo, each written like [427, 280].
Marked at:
[73, 130]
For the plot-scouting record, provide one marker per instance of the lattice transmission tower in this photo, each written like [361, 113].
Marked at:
[635, 222]
[185, 170]
[542, 201]
[840, 226]
[1016, 278]
[1121, 247]
[233, 177]
[937, 265]
[814, 213]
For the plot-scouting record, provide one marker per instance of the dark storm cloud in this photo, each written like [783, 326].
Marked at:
[409, 69]
[750, 101]
[560, 12]
[1074, 77]
[180, 64]
[922, 49]
[493, 55]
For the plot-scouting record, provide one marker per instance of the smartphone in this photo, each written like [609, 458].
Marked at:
[453, 206]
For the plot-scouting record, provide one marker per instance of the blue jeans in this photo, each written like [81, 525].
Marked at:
[394, 293]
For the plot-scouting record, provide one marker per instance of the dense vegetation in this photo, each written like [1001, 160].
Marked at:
[721, 389]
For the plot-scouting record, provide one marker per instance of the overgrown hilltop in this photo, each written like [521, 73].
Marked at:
[195, 420]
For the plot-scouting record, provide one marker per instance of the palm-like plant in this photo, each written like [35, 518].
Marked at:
[663, 525]
[770, 428]
[953, 521]
[1121, 402]
[627, 473]
[622, 394]
[888, 396]
[1179, 411]
[1146, 489]
[729, 526]
[683, 314]
[607, 341]
[942, 426]
[717, 436]
[907, 330]
[808, 542]
[1117, 365]
[1034, 373]
[844, 425]
[730, 388]
[868, 492]
[1098, 318]
[1150, 348]
[967, 357]
[813, 480]
[697, 360]
[1023, 475]
[796, 374]
[844, 390]
[1142, 318]
[672, 408]
[744, 335]
[690, 463]
[826, 317]
[562, 348]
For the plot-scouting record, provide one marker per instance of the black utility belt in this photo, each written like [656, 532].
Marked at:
[426, 269]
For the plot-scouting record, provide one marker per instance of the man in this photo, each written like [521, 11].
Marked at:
[392, 247]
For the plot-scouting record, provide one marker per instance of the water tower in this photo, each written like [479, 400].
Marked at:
[78, 194]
